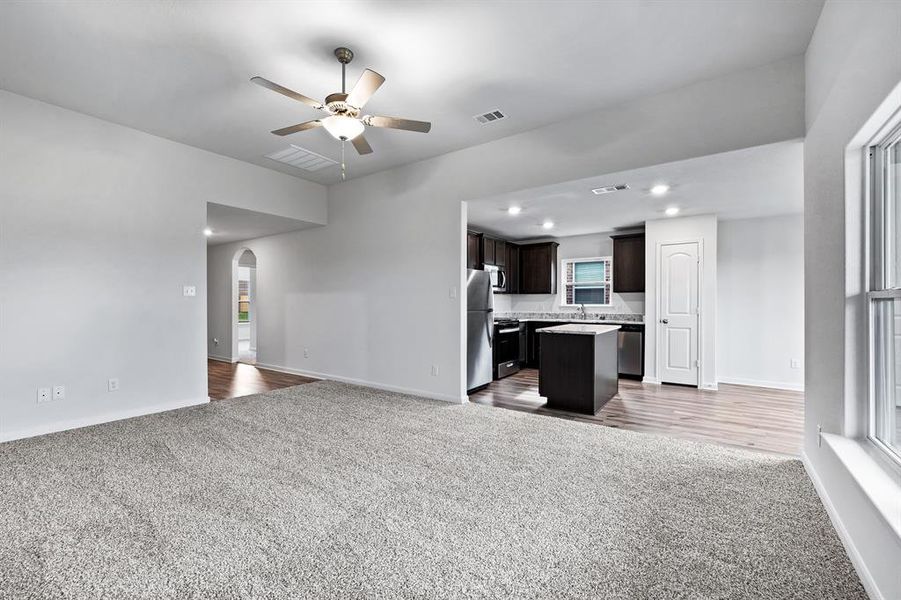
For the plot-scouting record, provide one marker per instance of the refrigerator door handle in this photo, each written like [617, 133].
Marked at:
[488, 328]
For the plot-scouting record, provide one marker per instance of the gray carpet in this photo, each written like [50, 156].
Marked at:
[332, 491]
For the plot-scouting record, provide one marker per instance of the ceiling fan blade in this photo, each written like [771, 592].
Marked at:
[365, 87]
[286, 92]
[394, 123]
[299, 127]
[361, 145]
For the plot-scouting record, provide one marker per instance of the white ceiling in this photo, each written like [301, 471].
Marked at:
[754, 182]
[181, 70]
[231, 224]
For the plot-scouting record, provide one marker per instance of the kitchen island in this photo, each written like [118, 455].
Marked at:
[578, 368]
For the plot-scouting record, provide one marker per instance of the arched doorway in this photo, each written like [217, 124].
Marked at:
[244, 307]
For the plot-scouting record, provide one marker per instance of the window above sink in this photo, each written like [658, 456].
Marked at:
[587, 281]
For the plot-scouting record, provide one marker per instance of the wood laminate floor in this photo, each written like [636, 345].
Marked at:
[231, 380]
[751, 417]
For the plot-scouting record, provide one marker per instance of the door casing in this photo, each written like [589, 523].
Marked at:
[660, 349]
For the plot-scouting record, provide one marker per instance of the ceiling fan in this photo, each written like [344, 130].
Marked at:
[344, 122]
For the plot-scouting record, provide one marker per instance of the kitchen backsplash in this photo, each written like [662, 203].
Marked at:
[622, 304]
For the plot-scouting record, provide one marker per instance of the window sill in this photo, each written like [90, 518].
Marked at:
[876, 474]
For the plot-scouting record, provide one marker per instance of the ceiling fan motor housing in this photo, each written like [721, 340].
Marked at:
[337, 105]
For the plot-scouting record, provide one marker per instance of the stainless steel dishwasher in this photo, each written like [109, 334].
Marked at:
[631, 350]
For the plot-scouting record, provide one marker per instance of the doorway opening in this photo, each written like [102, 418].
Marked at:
[244, 307]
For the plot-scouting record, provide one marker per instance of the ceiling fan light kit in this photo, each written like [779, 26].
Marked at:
[344, 122]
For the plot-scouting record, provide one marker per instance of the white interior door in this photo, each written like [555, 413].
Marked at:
[677, 327]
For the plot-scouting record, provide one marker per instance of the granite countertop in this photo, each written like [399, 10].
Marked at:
[571, 317]
[580, 329]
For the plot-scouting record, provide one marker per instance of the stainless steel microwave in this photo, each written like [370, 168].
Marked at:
[498, 278]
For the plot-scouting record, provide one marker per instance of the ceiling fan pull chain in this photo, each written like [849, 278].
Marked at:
[343, 166]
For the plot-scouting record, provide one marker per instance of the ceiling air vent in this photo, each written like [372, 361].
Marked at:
[302, 159]
[490, 117]
[610, 189]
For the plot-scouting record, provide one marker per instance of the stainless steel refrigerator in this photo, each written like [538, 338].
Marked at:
[479, 328]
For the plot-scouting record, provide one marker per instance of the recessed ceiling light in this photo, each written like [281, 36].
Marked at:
[672, 211]
[548, 224]
[660, 189]
[208, 232]
[514, 210]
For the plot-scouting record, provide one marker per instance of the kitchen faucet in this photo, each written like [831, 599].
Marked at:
[582, 310]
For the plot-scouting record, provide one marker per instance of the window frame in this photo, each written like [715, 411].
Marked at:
[563, 282]
[240, 302]
[880, 218]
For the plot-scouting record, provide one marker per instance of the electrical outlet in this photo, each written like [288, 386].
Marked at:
[112, 385]
[59, 392]
[189, 290]
[306, 353]
[795, 363]
[434, 370]
[215, 341]
[44, 394]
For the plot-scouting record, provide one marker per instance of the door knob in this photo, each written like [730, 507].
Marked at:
[664, 321]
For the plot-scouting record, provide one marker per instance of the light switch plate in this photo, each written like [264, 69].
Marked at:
[113, 385]
[44, 394]
[59, 392]
[190, 290]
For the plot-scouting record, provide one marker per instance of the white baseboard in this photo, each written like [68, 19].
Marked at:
[8, 436]
[776, 385]
[365, 383]
[866, 578]
[708, 386]
[221, 359]
[651, 380]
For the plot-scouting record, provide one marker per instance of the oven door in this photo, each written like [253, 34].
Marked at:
[506, 351]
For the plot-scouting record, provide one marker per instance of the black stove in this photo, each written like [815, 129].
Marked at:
[508, 347]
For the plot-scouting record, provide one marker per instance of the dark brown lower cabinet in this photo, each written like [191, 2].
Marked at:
[534, 340]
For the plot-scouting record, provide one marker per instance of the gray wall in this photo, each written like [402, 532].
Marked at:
[760, 301]
[852, 64]
[100, 228]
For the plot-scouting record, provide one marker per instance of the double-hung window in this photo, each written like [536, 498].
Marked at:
[587, 281]
[884, 295]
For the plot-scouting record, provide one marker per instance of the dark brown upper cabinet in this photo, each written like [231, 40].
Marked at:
[538, 268]
[628, 263]
[487, 250]
[473, 250]
[513, 268]
[494, 251]
[500, 253]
